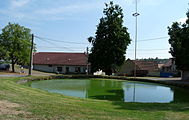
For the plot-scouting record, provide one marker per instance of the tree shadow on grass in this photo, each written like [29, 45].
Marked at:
[116, 95]
[177, 107]
[178, 104]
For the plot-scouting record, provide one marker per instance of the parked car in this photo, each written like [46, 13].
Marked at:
[4, 66]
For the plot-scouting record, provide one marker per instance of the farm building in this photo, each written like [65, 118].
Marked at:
[59, 62]
[143, 68]
[169, 69]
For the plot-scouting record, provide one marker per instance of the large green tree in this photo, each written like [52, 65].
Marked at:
[179, 40]
[15, 44]
[110, 42]
[2, 52]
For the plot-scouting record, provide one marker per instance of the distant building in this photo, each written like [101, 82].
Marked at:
[169, 69]
[169, 66]
[58, 62]
[143, 68]
[160, 65]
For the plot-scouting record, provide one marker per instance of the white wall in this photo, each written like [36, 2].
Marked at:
[47, 68]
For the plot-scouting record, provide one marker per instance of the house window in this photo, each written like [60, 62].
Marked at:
[84, 69]
[59, 69]
[77, 69]
[67, 70]
[50, 65]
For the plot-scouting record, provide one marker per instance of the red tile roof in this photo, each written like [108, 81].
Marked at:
[59, 58]
[146, 65]
[169, 63]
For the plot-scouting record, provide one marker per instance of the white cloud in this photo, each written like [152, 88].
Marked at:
[12, 14]
[14, 9]
[19, 9]
[68, 9]
[182, 20]
[144, 2]
[18, 3]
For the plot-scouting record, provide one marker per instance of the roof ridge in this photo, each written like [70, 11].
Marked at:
[60, 52]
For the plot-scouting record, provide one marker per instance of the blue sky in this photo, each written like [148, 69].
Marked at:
[76, 20]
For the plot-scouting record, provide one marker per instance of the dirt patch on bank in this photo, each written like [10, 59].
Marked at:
[10, 108]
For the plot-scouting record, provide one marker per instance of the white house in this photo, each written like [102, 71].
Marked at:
[59, 62]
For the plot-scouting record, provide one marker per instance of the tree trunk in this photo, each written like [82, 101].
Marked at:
[185, 75]
[108, 72]
[13, 70]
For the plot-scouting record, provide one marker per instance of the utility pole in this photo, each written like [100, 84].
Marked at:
[87, 61]
[136, 14]
[31, 57]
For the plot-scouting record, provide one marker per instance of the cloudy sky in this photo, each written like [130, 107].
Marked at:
[65, 25]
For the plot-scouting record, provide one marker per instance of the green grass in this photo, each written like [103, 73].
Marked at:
[42, 105]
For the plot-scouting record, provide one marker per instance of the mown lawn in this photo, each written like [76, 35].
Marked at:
[37, 104]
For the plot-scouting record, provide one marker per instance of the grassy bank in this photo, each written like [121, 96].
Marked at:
[37, 104]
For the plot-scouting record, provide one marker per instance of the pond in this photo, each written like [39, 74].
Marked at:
[114, 90]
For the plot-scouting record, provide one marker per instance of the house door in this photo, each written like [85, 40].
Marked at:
[59, 69]
[67, 70]
[77, 69]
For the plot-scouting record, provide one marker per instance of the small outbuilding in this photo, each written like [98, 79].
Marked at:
[143, 68]
[169, 69]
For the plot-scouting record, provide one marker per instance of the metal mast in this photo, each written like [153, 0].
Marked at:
[136, 14]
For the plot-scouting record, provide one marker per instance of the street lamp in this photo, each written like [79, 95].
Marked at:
[136, 14]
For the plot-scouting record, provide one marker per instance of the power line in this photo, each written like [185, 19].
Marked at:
[58, 49]
[149, 49]
[152, 39]
[61, 47]
[50, 42]
[68, 42]
[151, 53]
[59, 40]
[128, 49]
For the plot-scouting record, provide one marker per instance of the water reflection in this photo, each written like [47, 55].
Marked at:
[115, 90]
[147, 93]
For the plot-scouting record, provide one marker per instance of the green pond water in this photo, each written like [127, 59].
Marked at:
[113, 90]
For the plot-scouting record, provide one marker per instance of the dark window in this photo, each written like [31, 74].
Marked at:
[84, 69]
[67, 70]
[77, 69]
[50, 65]
[59, 69]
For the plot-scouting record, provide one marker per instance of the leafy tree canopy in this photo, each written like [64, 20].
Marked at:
[15, 42]
[179, 40]
[110, 42]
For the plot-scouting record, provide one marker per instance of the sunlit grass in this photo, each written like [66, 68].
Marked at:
[39, 104]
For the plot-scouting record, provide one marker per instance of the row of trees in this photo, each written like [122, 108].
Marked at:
[158, 60]
[108, 46]
[15, 44]
[179, 40]
[111, 40]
